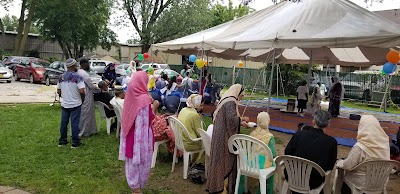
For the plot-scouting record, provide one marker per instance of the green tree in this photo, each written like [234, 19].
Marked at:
[4, 4]
[159, 20]
[10, 22]
[76, 25]
[222, 13]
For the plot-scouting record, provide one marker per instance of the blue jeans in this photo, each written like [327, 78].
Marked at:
[66, 114]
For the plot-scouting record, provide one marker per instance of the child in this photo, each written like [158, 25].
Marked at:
[302, 98]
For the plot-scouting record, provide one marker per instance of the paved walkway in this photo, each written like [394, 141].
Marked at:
[10, 190]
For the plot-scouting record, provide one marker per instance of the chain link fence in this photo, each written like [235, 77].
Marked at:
[358, 85]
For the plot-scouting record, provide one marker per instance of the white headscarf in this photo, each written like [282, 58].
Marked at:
[194, 101]
[372, 138]
[232, 94]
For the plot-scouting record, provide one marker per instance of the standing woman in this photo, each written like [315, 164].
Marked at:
[227, 122]
[336, 95]
[136, 144]
[316, 99]
[302, 97]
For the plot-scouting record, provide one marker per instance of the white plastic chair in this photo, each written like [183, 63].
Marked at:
[377, 176]
[118, 112]
[206, 140]
[100, 106]
[299, 173]
[178, 128]
[154, 158]
[248, 149]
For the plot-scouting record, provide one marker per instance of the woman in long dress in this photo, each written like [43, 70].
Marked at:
[263, 134]
[336, 95]
[372, 144]
[226, 123]
[315, 100]
[87, 122]
[136, 144]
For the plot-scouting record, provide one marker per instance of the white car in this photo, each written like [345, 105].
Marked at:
[5, 73]
[98, 66]
[155, 66]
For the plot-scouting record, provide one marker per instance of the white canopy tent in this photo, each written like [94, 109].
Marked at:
[322, 31]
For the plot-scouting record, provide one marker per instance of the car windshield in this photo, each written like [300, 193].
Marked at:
[164, 66]
[39, 64]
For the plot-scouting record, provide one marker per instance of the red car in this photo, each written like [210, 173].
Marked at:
[31, 69]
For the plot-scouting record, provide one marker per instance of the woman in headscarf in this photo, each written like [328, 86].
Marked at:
[226, 123]
[152, 84]
[172, 88]
[261, 133]
[191, 119]
[136, 144]
[372, 144]
[315, 101]
[132, 69]
[336, 95]
[110, 75]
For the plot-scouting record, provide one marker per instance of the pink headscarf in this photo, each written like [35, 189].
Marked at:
[136, 98]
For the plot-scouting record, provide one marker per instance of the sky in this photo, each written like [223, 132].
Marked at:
[126, 30]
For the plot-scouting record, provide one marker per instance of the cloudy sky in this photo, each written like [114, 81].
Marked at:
[126, 31]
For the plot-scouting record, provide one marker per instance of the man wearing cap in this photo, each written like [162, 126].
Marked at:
[87, 123]
[71, 87]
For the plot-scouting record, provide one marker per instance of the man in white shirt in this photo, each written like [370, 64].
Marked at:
[71, 87]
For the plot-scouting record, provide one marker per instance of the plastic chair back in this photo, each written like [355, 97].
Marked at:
[298, 171]
[248, 150]
[101, 106]
[117, 109]
[377, 173]
[178, 128]
[206, 139]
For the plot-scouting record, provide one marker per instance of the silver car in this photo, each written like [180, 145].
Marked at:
[5, 73]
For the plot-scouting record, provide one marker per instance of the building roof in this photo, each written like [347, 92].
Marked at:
[392, 15]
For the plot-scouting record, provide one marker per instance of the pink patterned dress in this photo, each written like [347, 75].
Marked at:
[137, 168]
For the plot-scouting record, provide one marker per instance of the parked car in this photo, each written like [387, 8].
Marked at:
[121, 71]
[12, 61]
[361, 84]
[5, 73]
[53, 72]
[155, 66]
[169, 72]
[32, 69]
[57, 68]
[98, 66]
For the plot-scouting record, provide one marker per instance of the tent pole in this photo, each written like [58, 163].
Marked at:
[309, 70]
[277, 80]
[270, 80]
[244, 69]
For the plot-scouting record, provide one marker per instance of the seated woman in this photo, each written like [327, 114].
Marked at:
[161, 129]
[372, 144]
[172, 89]
[261, 133]
[191, 119]
[110, 75]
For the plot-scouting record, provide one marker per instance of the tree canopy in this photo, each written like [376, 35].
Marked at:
[222, 13]
[76, 24]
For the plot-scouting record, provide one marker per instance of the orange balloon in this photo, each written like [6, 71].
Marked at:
[393, 57]
[205, 63]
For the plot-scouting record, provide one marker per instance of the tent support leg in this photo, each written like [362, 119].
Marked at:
[270, 81]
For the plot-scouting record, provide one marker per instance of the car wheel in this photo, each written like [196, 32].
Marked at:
[47, 81]
[8, 81]
[31, 80]
[16, 78]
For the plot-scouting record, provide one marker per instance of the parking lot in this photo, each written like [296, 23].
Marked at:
[24, 92]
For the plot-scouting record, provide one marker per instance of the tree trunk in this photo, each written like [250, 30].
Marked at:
[81, 50]
[21, 22]
[69, 50]
[27, 28]
[145, 47]
[64, 49]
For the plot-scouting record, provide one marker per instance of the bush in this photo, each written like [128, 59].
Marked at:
[34, 53]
